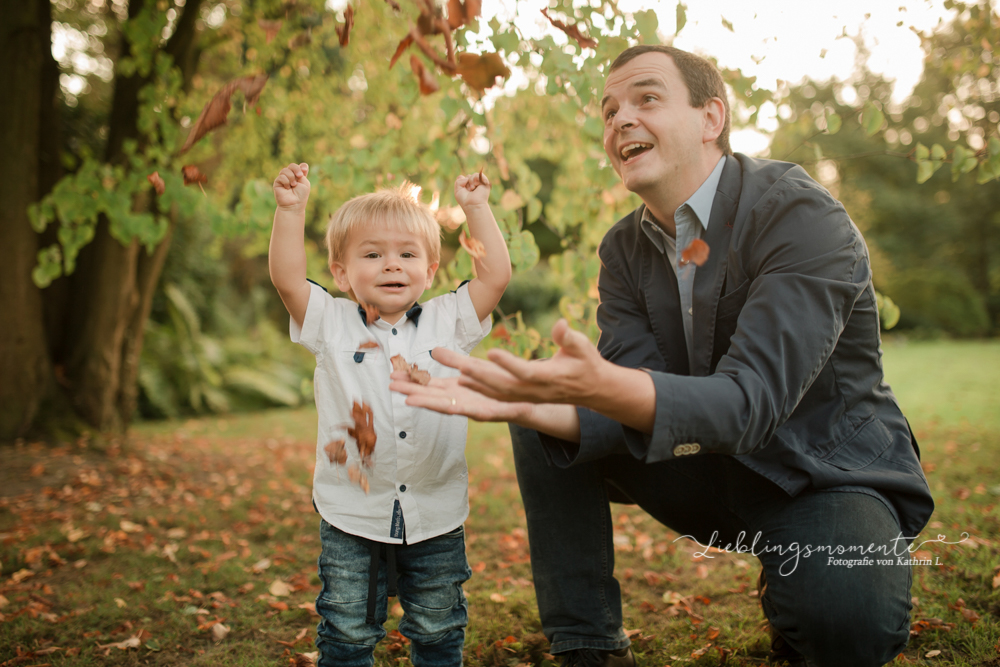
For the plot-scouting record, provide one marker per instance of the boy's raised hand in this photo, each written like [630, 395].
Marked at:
[291, 187]
[472, 190]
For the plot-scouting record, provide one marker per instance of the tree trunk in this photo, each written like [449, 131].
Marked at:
[25, 366]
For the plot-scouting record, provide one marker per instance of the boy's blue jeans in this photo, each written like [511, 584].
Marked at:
[430, 575]
[833, 614]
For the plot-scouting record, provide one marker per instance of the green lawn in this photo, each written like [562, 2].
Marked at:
[204, 526]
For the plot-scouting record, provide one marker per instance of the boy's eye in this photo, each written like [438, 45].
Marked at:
[372, 255]
[408, 255]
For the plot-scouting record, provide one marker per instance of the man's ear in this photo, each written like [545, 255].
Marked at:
[431, 270]
[715, 119]
[340, 277]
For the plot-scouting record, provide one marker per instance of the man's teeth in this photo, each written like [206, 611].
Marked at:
[630, 149]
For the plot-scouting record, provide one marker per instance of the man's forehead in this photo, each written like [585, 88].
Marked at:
[649, 69]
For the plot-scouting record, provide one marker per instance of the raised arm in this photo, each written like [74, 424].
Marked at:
[286, 257]
[493, 269]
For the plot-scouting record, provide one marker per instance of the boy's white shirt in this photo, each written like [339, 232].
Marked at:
[429, 462]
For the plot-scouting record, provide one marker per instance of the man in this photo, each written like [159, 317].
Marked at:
[740, 402]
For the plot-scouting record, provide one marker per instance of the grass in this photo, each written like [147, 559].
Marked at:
[151, 541]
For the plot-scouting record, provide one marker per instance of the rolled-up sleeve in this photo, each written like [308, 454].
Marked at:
[309, 335]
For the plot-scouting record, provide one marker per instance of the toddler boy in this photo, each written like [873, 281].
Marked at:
[392, 508]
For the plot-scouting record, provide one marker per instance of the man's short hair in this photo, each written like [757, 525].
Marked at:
[701, 77]
[392, 208]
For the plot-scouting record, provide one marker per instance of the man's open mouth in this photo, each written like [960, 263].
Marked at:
[634, 149]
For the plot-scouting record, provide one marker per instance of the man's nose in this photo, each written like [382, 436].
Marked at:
[623, 119]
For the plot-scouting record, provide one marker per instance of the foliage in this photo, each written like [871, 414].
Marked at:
[208, 521]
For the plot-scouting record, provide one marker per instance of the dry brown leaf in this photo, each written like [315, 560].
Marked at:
[371, 312]
[216, 111]
[572, 31]
[363, 432]
[472, 246]
[336, 452]
[219, 632]
[428, 84]
[368, 344]
[696, 253]
[270, 28]
[416, 375]
[344, 31]
[403, 45]
[193, 175]
[157, 182]
[300, 40]
[481, 71]
[460, 13]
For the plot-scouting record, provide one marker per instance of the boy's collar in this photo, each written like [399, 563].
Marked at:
[413, 314]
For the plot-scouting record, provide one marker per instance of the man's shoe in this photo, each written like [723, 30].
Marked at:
[781, 654]
[592, 657]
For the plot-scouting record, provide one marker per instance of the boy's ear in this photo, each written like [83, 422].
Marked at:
[431, 270]
[340, 277]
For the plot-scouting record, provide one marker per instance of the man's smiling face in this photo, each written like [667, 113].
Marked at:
[652, 134]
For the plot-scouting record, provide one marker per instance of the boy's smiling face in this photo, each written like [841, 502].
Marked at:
[388, 268]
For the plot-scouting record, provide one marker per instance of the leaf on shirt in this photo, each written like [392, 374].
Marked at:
[336, 451]
[363, 432]
[416, 375]
[472, 246]
[696, 253]
[368, 345]
[371, 312]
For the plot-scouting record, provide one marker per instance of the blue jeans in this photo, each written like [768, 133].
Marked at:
[833, 614]
[430, 577]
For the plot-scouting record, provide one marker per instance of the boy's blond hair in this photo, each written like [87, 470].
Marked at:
[397, 207]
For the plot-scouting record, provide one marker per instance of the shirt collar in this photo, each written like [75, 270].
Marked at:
[701, 201]
[413, 314]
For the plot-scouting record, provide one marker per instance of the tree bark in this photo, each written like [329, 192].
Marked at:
[25, 368]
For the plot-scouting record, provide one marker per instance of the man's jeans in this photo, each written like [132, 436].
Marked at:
[832, 614]
[430, 578]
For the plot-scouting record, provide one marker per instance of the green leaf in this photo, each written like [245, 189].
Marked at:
[872, 119]
[833, 122]
[926, 169]
[888, 311]
[681, 17]
[985, 174]
[994, 146]
[938, 153]
[647, 23]
[727, 25]
[921, 152]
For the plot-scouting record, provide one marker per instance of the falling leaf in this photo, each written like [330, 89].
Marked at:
[416, 375]
[344, 31]
[363, 431]
[157, 182]
[450, 217]
[193, 175]
[354, 474]
[481, 71]
[279, 588]
[472, 246]
[216, 111]
[428, 84]
[363, 482]
[696, 253]
[270, 28]
[460, 14]
[336, 452]
[572, 31]
[371, 312]
[219, 632]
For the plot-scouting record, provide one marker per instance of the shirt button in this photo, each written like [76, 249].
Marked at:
[402, 434]
[402, 487]
[393, 332]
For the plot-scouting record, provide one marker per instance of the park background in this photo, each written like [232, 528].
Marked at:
[158, 423]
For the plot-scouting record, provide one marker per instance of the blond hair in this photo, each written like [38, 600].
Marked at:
[397, 207]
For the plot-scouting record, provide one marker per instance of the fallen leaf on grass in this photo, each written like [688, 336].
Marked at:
[572, 31]
[219, 632]
[416, 375]
[131, 642]
[259, 567]
[304, 659]
[497, 597]
[696, 253]
[279, 588]
[310, 607]
[713, 633]
[932, 654]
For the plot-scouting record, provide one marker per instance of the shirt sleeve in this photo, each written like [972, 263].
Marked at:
[310, 334]
[469, 329]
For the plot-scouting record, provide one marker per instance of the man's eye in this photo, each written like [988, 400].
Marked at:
[608, 115]
[648, 98]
